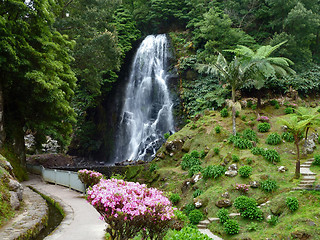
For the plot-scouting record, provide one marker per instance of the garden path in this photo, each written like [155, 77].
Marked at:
[308, 177]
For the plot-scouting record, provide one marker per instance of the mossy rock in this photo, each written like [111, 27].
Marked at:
[133, 171]
[187, 145]
[278, 206]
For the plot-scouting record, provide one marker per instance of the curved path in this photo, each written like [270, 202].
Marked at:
[82, 220]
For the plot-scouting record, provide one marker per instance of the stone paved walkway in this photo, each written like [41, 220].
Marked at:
[307, 177]
[82, 220]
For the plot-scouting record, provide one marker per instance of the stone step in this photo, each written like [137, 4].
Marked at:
[204, 222]
[213, 219]
[308, 178]
[305, 185]
[305, 165]
[202, 226]
[307, 182]
[308, 174]
[302, 188]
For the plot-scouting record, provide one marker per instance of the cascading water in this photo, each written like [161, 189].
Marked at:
[147, 110]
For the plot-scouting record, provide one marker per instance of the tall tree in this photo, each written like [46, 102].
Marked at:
[35, 73]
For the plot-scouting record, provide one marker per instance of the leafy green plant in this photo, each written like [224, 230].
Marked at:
[248, 208]
[289, 110]
[249, 104]
[250, 135]
[257, 151]
[273, 220]
[243, 118]
[271, 155]
[237, 113]
[217, 129]
[231, 227]
[268, 185]
[202, 154]
[254, 107]
[195, 216]
[235, 158]
[273, 139]
[277, 106]
[264, 127]
[292, 203]
[197, 193]
[223, 215]
[273, 102]
[316, 160]
[188, 208]
[153, 167]
[287, 136]
[194, 169]
[187, 233]
[216, 150]
[245, 171]
[195, 154]
[174, 198]
[242, 143]
[252, 227]
[224, 112]
[213, 171]
[166, 135]
[188, 161]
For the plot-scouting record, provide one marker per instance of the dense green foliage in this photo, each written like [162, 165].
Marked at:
[245, 171]
[231, 227]
[292, 203]
[213, 171]
[273, 139]
[268, 185]
[223, 215]
[264, 127]
[195, 216]
[187, 233]
[188, 161]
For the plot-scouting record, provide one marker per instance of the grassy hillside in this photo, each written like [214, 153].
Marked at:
[165, 172]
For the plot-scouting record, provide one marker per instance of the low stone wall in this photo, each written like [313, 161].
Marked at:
[30, 222]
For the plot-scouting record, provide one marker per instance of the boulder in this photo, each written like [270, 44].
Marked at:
[231, 173]
[233, 167]
[186, 146]
[185, 185]
[225, 195]
[254, 184]
[174, 146]
[282, 169]
[310, 144]
[196, 178]
[223, 203]
[198, 203]
[16, 187]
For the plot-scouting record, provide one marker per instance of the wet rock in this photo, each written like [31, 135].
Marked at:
[254, 184]
[225, 195]
[282, 169]
[233, 167]
[174, 146]
[186, 146]
[223, 203]
[14, 200]
[230, 173]
[196, 178]
[300, 235]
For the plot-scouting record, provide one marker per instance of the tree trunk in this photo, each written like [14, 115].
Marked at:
[2, 132]
[298, 158]
[258, 99]
[234, 131]
[19, 145]
[307, 133]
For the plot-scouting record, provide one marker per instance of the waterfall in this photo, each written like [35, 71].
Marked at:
[147, 110]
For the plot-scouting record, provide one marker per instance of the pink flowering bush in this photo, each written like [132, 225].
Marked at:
[263, 119]
[130, 208]
[242, 188]
[89, 177]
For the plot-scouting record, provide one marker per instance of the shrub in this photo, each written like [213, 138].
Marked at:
[268, 185]
[188, 161]
[273, 102]
[89, 177]
[250, 135]
[242, 143]
[174, 198]
[202, 154]
[249, 104]
[248, 208]
[235, 158]
[223, 215]
[194, 169]
[166, 135]
[224, 113]
[287, 136]
[195, 154]
[273, 220]
[195, 216]
[254, 107]
[271, 155]
[289, 110]
[257, 151]
[213, 171]
[138, 209]
[216, 150]
[264, 127]
[273, 139]
[217, 129]
[242, 188]
[181, 220]
[188, 208]
[245, 171]
[188, 233]
[316, 160]
[292, 203]
[231, 227]
[153, 167]
[277, 106]
[197, 193]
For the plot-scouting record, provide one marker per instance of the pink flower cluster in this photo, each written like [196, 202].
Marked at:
[263, 119]
[89, 177]
[114, 198]
[242, 187]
